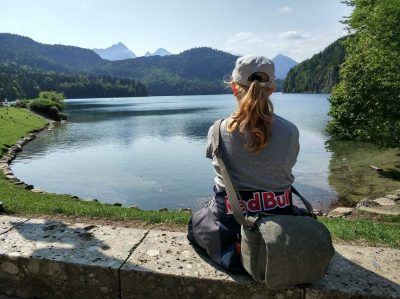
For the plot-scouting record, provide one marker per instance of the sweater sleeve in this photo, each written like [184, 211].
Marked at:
[209, 148]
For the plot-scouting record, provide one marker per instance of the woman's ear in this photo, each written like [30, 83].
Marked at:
[234, 89]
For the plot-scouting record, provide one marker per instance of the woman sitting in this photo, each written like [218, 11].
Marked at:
[260, 149]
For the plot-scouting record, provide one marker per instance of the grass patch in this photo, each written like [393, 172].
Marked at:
[18, 200]
[16, 123]
[374, 233]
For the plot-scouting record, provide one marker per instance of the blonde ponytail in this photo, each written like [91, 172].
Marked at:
[254, 115]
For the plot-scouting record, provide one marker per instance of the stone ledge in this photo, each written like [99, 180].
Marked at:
[48, 259]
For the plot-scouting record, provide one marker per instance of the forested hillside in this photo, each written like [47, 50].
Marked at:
[317, 74]
[24, 82]
[25, 51]
[195, 71]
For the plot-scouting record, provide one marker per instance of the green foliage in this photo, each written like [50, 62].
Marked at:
[195, 71]
[317, 74]
[50, 104]
[365, 105]
[24, 82]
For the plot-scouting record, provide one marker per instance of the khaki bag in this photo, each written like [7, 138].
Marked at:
[280, 250]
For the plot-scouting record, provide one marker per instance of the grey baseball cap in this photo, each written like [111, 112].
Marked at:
[246, 66]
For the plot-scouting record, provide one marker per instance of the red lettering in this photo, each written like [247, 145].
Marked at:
[254, 204]
[228, 208]
[287, 197]
[269, 200]
[242, 205]
[281, 199]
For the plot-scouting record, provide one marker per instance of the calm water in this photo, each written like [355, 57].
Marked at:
[150, 151]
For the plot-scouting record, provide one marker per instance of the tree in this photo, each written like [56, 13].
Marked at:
[365, 105]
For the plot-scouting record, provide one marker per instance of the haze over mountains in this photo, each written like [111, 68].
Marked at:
[115, 52]
[159, 52]
[120, 52]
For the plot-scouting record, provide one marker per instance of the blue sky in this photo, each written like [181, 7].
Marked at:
[297, 28]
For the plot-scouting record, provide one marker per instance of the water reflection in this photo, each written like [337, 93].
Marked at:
[352, 177]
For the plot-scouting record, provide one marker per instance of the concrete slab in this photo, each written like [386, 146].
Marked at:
[360, 272]
[165, 266]
[48, 259]
[8, 222]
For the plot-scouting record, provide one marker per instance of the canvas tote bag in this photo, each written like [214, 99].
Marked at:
[280, 250]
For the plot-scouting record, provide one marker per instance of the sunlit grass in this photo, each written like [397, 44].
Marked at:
[370, 232]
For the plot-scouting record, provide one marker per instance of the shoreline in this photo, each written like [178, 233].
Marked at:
[7, 158]
[335, 210]
[18, 199]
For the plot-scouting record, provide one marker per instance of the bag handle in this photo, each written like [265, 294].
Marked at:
[305, 201]
[233, 195]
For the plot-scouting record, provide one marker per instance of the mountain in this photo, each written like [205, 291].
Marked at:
[25, 51]
[282, 65]
[115, 52]
[162, 52]
[319, 73]
[158, 52]
[195, 71]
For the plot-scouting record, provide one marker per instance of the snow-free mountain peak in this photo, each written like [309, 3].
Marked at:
[159, 52]
[115, 52]
[282, 65]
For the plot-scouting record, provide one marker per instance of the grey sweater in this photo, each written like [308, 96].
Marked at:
[268, 170]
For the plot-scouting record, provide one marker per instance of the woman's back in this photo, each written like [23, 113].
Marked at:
[270, 169]
[259, 149]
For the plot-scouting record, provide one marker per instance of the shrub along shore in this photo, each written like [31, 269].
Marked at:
[18, 126]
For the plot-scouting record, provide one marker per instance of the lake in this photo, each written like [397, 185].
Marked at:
[150, 152]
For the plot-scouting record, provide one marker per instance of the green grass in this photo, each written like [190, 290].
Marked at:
[18, 200]
[370, 232]
[16, 123]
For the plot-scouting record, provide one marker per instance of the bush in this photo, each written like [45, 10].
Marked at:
[49, 104]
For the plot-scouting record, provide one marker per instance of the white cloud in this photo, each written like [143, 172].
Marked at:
[239, 37]
[254, 41]
[298, 46]
[292, 34]
[285, 10]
